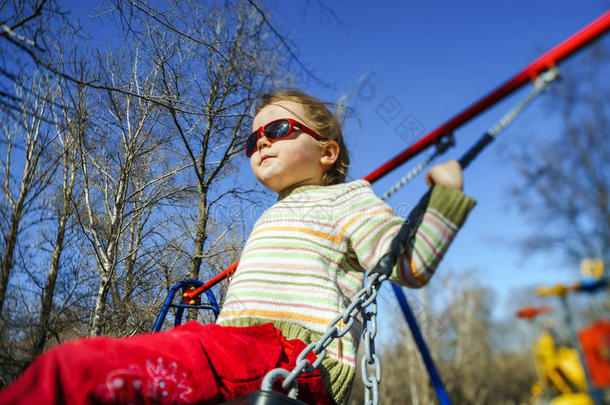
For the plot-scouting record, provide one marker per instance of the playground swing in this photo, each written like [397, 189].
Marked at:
[367, 296]
[364, 302]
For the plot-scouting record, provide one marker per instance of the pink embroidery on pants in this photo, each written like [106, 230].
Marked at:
[160, 383]
[168, 383]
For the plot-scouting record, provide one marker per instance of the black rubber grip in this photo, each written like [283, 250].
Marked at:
[475, 150]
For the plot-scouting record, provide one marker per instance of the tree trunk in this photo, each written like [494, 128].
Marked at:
[10, 243]
[200, 238]
[49, 288]
[97, 325]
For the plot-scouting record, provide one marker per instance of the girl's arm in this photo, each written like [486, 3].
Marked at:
[444, 209]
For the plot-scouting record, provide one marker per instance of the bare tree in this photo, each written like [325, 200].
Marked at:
[139, 149]
[213, 63]
[135, 290]
[468, 320]
[29, 34]
[26, 169]
[117, 196]
[457, 330]
[238, 65]
[155, 146]
[69, 123]
[564, 184]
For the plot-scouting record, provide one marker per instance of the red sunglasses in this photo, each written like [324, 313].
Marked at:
[276, 130]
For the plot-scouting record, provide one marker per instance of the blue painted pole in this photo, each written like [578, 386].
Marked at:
[165, 307]
[213, 304]
[212, 300]
[435, 377]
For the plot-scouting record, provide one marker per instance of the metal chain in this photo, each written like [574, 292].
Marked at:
[440, 149]
[540, 84]
[370, 359]
[363, 299]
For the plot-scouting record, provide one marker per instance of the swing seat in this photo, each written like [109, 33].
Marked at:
[264, 398]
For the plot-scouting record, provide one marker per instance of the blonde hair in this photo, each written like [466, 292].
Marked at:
[321, 120]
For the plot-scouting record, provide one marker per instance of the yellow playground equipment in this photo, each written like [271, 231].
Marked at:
[573, 374]
[560, 374]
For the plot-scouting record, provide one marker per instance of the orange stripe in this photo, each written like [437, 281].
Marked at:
[354, 277]
[316, 292]
[244, 302]
[277, 315]
[419, 276]
[333, 238]
[410, 275]
[414, 270]
[370, 214]
[370, 206]
[323, 235]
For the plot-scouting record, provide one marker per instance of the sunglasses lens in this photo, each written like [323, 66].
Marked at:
[277, 129]
[274, 130]
[251, 143]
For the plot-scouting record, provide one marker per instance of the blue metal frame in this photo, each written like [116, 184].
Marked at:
[184, 285]
[435, 377]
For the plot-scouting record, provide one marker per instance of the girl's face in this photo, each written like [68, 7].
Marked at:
[290, 161]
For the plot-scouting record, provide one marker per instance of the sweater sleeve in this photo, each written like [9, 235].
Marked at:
[373, 226]
[445, 211]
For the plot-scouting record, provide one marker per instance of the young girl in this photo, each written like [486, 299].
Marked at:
[301, 266]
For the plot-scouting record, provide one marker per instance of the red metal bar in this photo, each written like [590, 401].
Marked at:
[217, 279]
[546, 61]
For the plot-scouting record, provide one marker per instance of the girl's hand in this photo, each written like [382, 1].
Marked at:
[447, 174]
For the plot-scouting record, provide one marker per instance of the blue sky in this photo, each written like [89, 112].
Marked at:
[435, 59]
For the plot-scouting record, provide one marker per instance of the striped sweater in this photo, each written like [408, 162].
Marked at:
[306, 256]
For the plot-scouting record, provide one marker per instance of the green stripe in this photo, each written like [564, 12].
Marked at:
[285, 273]
[363, 226]
[237, 282]
[435, 237]
[329, 302]
[378, 237]
[359, 207]
[423, 251]
[333, 271]
[284, 241]
[282, 273]
[283, 254]
[355, 285]
[444, 221]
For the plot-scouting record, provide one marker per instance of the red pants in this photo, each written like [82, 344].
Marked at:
[190, 364]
